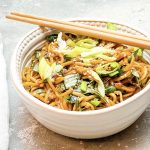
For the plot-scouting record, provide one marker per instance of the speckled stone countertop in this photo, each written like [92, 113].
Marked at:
[25, 132]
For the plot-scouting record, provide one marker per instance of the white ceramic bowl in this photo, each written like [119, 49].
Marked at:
[86, 125]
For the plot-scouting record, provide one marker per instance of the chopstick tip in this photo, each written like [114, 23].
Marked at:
[13, 12]
[7, 16]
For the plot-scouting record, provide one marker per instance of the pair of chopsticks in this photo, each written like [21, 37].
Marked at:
[81, 29]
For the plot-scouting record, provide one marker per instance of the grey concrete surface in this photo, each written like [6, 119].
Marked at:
[25, 132]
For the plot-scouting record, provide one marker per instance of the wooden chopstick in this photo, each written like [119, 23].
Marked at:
[79, 25]
[82, 31]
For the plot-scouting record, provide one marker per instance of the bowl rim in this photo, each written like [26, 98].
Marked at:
[21, 91]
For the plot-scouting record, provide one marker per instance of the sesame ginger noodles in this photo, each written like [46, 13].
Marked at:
[79, 73]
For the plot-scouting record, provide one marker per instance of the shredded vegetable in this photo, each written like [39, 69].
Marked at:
[109, 69]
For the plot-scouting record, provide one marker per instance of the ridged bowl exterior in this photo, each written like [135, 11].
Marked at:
[84, 125]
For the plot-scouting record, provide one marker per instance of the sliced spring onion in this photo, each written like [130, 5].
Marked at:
[90, 87]
[103, 50]
[70, 43]
[86, 61]
[129, 58]
[111, 26]
[32, 63]
[83, 86]
[107, 58]
[89, 53]
[138, 52]
[87, 43]
[77, 89]
[58, 68]
[45, 70]
[36, 67]
[135, 73]
[120, 71]
[67, 57]
[101, 88]
[96, 52]
[72, 99]
[114, 73]
[39, 91]
[108, 69]
[114, 65]
[61, 87]
[95, 102]
[110, 89]
[71, 80]
[37, 54]
[52, 37]
[76, 51]
[61, 43]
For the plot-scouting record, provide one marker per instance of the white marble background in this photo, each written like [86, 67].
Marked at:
[25, 132]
